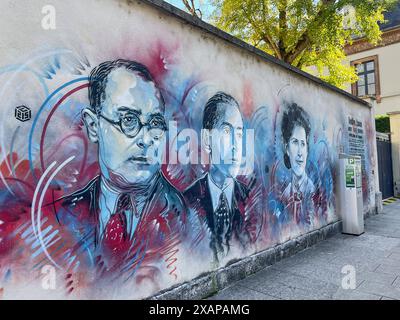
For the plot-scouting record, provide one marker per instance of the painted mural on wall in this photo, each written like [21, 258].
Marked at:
[126, 176]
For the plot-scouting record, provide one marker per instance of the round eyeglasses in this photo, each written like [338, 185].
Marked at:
[130, 125]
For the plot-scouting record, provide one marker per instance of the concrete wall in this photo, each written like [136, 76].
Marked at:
[63, 168]
[389, 70]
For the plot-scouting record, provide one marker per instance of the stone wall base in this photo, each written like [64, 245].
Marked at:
[378, 201]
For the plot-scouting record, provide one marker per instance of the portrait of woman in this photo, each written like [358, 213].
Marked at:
[297, 195]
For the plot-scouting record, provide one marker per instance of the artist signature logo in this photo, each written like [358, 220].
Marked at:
[23, 113]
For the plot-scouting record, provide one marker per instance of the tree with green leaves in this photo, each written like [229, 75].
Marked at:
[382, 123]
[305, 33]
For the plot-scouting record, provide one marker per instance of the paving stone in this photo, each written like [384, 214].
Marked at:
[375, 242]
[388, 218]
[342, 294]
[354, 254]
[379, 289]
[390, 261]
[396, 283]
[237, 292]
[265, 276]
[395, 256]
[360, 266]
[335, 263]
[355, 257]
[390, 269]
[324, 272]
[289, 291]
[396, 249]
[283, 284]
[323, 289]
[379, 224]
[383, 278]
[304, 257]
[384, 231]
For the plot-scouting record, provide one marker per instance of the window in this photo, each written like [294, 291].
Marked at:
[366, 81]
[368, 78]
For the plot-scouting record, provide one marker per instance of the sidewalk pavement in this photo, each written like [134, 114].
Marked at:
[316, 273]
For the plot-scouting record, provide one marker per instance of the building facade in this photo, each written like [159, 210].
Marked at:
[378, 66]
[378, 69]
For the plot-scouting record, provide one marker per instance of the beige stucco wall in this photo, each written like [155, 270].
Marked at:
[389, 72]
[395, 138]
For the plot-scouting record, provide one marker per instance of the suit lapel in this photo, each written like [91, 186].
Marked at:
[80, 210]
[206, 202]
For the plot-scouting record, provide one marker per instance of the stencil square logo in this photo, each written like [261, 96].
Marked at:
[23, 113]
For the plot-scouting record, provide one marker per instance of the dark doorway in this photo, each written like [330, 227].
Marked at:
[385, 167]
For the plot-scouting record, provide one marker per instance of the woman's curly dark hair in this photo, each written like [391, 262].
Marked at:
[293, 116]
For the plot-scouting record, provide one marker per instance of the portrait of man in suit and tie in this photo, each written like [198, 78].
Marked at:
[129, 216]
[218, 198]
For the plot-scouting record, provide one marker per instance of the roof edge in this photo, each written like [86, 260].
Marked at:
[384, 31]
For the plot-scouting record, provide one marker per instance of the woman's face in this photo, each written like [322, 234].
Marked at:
[297, 151]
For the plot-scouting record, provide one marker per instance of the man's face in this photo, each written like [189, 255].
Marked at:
[130, 160]
[226, 145]
[297, 151]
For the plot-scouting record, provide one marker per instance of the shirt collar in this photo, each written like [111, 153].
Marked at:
[215, 191]
[299, 184]
[108, 201]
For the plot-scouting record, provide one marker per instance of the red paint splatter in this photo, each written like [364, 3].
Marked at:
[248, 103]
[157, 56]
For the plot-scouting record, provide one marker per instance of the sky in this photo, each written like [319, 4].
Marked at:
[204, 5]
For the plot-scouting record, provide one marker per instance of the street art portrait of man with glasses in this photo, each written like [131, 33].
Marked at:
[129, 216]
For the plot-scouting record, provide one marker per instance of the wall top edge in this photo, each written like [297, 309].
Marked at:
[204, 26]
